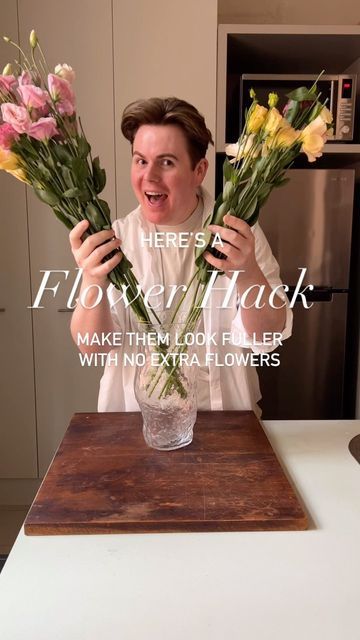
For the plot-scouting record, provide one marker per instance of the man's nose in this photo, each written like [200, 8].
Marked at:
[152, 172]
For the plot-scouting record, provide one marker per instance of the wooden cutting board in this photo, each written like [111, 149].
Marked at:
[104, 479]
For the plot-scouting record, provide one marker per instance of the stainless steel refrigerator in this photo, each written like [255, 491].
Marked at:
[308, 223]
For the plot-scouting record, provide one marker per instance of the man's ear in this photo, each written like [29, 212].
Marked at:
[201, 170]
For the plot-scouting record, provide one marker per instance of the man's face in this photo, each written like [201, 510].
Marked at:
[162, 178]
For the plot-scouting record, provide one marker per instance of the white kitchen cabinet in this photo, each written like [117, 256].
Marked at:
[18, 455]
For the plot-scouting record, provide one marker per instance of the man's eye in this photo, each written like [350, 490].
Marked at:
[167, 163]
[140, 161]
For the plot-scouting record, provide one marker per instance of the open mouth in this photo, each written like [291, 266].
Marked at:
[155, 197]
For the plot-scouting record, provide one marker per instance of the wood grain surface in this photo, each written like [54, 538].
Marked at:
[104, 479]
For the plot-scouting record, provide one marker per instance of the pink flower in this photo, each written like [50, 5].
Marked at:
[43, 129]
[7, 136]
[42, 112]
[7, 83]
[62, 93]
[18, 117]
[33, 97]
[25, 78]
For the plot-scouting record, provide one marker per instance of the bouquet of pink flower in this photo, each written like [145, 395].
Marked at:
[43, 144]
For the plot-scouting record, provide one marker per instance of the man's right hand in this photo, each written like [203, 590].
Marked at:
[90, 252]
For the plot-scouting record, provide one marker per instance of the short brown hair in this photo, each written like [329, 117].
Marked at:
[169, 111]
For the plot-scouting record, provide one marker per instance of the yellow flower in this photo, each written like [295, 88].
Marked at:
[274, 121]
[20, 175]
[256, 119]
[8, 160]
[313, 138]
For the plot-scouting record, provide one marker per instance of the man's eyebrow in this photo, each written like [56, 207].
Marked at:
[161, 155]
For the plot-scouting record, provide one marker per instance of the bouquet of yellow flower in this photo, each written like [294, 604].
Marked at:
[267, 147]
[43, 144]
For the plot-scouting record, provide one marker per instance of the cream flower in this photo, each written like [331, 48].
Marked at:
[66, 72]
[326, 115]
[313, 138]
[247, 147]
[286, 137]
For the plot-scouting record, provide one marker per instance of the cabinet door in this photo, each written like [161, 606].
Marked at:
[18, 458]
[82, 37]
[163, 48]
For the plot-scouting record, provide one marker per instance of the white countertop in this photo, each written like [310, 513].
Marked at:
[301, 585]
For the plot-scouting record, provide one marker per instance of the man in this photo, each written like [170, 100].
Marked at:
[169, 140]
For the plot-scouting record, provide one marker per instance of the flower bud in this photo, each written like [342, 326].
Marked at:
[33, 39]
[252, 94]
[6, 39]
[7, 70]
[273, 100]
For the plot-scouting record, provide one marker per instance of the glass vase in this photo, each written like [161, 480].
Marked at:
[165, 388]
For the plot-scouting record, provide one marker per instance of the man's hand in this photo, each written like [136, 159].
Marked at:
[89, 253]
[239, 247]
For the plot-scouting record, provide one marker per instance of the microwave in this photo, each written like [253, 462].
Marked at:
[338, 90]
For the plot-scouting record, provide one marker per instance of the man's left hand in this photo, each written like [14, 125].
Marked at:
[239, 247]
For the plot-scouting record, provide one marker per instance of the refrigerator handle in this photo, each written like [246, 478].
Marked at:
[319, 294]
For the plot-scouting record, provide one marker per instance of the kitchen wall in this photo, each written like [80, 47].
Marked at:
[288, 12]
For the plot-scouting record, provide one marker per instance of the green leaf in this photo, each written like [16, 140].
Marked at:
[250, 208]
[85, 195]
[50, 162]
[62, 217]
[222, 210]
[302, 93]
[44, 171]
[74, 192]
[227, 169]
[61, 154]
[251, 221]
[67, 177]
[83, 147]
[99, 175]
[264, 192]
[94, 216]
[80, 170]
[292, 111]
[30, 146]
[228, 190]
[105, 210]
[47, 196]
[72, 219]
